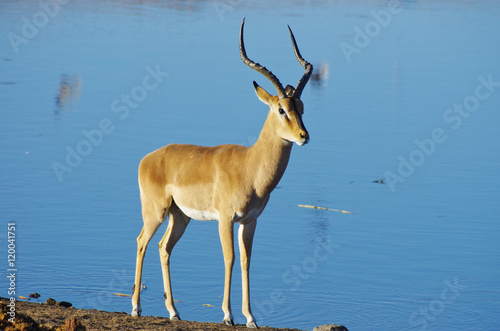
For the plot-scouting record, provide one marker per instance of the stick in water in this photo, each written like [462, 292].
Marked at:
[323, 208]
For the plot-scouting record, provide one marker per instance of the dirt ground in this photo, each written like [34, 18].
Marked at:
[55, 316]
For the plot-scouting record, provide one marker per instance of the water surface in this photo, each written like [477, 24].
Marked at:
[406, 99]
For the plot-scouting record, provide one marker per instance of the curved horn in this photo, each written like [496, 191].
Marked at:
[256, 66]
[309, 68]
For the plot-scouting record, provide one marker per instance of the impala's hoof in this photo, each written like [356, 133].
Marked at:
[252, 325]
[228, 322]
[135, 313]
[175, 318]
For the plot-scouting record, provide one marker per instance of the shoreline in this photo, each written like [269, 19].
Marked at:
[58, 316]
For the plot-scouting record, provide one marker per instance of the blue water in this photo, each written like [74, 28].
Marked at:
[412, 99]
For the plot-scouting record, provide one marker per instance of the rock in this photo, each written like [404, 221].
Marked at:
[34, 295]
[50, 302]
[65, 304]
[330, 327]
[72, 324]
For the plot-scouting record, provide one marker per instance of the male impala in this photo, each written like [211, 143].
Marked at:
[228, 183]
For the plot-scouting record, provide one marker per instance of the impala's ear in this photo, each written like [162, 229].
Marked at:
[263, 95]
[289, 90]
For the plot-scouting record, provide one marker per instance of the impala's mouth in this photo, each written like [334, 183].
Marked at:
[304, 140]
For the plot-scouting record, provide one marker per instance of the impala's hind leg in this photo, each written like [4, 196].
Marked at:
[152, 217]
[177, 223]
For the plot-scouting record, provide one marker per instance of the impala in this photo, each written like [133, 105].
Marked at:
[227, 183]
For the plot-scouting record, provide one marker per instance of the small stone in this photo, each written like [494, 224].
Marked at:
[72, 324]
[51, 302]
[330, 327]
[34, 295]
[65, 304]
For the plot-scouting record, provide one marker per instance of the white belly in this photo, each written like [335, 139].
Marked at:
[200, 215]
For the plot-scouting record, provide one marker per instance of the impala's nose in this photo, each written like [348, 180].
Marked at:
[304, 135]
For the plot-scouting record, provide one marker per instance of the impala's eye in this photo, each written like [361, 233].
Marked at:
[281, 111]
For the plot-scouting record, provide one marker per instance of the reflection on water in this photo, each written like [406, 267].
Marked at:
[384, 267]
[320, 74]
[69, 92]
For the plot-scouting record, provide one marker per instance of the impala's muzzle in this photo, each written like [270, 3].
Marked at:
[303, 134]
[304, 138]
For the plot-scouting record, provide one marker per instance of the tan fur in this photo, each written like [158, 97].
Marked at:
[228, 183]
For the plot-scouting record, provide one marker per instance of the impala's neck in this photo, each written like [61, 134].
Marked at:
[269, 157]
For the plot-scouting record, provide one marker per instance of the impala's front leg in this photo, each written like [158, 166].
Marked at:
[227, 241]
[245, 239]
